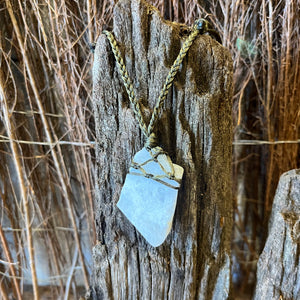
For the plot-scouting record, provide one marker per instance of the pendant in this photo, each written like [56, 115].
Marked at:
[149, 195]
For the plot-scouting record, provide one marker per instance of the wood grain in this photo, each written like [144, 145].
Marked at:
[278, 269]
[195, 129]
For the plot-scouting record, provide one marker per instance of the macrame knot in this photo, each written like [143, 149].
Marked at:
[151, 141]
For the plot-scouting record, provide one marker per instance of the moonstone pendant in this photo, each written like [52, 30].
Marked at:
[149, 195]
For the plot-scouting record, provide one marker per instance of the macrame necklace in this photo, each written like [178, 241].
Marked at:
[149, 195]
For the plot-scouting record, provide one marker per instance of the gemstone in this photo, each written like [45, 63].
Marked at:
[149, 195]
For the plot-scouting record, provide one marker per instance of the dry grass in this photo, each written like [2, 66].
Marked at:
[47, 126]
[47, 177]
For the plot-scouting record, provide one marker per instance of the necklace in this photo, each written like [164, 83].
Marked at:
[149, 195]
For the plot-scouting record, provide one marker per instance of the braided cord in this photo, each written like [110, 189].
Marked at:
[127, 82]
[148, 131]
[170, 78]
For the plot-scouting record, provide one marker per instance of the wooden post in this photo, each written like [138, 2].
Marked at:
[195, 128]
[278, 269]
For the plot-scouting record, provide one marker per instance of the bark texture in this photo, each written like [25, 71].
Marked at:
[195, 128]
[278, 270]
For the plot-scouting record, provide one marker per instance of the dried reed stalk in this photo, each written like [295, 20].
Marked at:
[284, 108]
[17, 292]
[4, 295]
[25, 194]
[56, 160]
[46, 54]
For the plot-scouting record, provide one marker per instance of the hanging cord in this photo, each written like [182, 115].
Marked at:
[127, 82]
[201, 26]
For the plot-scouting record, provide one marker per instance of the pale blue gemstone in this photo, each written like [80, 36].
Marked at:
[148, 204]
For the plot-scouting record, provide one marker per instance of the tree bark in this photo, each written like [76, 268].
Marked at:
[195, 129]
[278, 269]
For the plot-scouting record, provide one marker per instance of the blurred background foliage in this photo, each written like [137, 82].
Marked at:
[47, 131]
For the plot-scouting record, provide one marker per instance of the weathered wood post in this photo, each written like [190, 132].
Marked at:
[195, 129]
[278, 269]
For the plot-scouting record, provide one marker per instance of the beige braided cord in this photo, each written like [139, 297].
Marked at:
[170, 78]
[199, 27]
[127, 82]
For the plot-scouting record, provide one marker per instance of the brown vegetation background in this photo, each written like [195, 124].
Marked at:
[47, 130]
